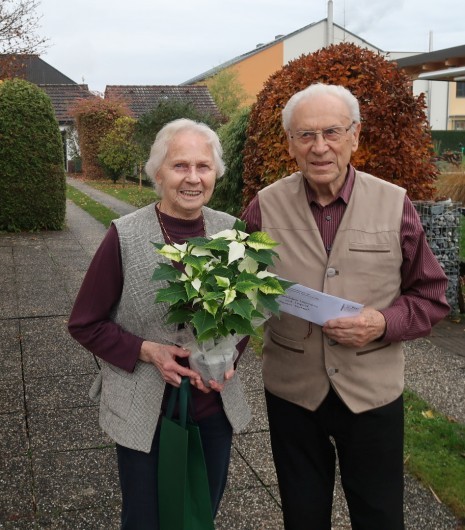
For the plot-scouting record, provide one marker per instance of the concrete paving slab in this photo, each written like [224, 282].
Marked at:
[91, 519]
[73, 430]
[65, 391]
[16, 501]
[76, 480]
[11, 396]
[14, 439]
[48, 349]
[255, 449]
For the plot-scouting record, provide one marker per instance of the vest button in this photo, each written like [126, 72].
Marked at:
[331, 272]
[332, 371]
[332, 342]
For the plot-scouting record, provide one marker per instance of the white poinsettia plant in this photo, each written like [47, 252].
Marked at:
[224, 288]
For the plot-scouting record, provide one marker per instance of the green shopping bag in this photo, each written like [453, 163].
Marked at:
[183, 491]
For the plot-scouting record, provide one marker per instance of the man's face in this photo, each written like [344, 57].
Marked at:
[322, 161]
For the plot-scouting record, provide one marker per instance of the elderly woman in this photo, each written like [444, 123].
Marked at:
[115, 317]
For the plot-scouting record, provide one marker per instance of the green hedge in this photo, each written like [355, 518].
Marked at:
[32, 177]
[448, 140]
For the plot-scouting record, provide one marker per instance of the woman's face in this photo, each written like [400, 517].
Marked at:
[187, 176]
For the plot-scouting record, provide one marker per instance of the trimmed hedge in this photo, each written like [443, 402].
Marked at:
[32, 176]
[448, 140]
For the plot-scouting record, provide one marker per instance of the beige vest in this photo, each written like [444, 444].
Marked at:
[364, 265]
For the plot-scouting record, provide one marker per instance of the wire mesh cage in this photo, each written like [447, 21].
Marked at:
[441, 223]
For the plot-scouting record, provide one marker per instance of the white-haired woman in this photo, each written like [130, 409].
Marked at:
[115, 318]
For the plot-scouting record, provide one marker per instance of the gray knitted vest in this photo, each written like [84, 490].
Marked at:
[130, 402]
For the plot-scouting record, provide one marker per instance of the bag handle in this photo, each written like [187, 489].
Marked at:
[184, 393]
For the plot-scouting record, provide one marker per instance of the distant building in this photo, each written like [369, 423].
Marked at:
[446, 100]
[62, 91]
[141, 99]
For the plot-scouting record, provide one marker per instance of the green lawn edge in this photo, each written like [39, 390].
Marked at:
[99, 212]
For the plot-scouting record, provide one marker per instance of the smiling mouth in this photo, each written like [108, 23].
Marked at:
[191, 193]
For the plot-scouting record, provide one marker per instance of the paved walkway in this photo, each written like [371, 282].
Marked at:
[57, 469]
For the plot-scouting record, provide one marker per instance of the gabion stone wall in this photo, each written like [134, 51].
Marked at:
[441, 223]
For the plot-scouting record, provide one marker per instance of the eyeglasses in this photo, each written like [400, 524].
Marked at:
[330, 135]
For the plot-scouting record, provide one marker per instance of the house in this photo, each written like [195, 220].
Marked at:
[62, 91]
[253, 68]
[441, 76]
[141, 99]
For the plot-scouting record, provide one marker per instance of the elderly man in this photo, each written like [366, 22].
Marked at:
[339, 387]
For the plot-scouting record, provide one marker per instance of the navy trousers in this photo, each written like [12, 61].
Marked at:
[138, 473]
[370, 452]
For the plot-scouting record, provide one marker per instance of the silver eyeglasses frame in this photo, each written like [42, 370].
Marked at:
[329, 134]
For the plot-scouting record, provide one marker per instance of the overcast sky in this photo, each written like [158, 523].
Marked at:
[155, 42]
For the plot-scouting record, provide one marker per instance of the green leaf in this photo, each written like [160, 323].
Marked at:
[268, 302]
[190, 290]
[165, 271]
[211, 306]
[240, 225]
[261, 240]
[262, 256]
[218, 244]
[246, 282]
[197, 241]
[203, 321]
[178, 316]
[172, 294]
[196, 262]
[237, 324]
[221, 281]
[271, 286]
[158, 245]
[242, 307]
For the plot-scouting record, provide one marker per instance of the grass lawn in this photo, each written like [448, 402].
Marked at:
[435, 452]
[97, 210]
[129, 193]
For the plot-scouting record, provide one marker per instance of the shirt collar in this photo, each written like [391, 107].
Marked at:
[344, 193]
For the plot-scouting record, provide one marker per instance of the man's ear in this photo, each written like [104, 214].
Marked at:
[290, 145]
[357, 129]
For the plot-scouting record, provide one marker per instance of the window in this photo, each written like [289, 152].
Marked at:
[460, 90]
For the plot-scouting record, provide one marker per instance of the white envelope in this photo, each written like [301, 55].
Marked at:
[316, 306]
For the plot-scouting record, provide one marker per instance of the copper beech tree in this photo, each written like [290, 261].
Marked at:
[94, 118]
[395, 142]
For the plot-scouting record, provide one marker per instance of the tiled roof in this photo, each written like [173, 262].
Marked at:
[141, 99]
[63, 97]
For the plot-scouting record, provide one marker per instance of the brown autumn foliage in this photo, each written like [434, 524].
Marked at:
[94, 118]
[395, 142]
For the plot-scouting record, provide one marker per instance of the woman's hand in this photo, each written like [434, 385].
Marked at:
[219, 387]
[163, 357]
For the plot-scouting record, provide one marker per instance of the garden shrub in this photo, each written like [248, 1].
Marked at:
[227, 196]
[94, 118]
[395, 141]
[32, 175]
[119, 154]
[150, 123]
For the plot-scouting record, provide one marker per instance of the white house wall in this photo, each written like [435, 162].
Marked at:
[314, 38]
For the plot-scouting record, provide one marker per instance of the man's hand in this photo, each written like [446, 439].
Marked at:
[357, 331]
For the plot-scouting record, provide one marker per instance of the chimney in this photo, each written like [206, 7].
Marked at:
[330, 24]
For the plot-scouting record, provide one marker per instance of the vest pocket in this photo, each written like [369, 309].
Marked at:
[117, 392]
[369, 247]
[371, 350]
[285, 343]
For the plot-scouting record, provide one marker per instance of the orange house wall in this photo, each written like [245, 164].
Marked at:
[255, 70]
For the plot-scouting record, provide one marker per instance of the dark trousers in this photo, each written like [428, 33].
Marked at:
[138, 473]
[370, 453]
